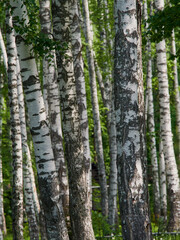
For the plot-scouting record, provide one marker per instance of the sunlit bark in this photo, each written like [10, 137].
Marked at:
[129, 107]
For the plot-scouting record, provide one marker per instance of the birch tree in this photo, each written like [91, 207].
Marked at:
[80, 84]
[77, 169]
[52, 103]
[163, 189]
[29, 190]
[151, 124]
[17, 189]
[165, 123]
[129, 107]
[46, 169]
[95, 107]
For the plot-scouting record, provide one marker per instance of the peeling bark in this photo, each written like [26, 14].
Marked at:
[74, 151]
[129, 107]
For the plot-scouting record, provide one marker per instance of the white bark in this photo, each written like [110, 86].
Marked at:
[17, 189]
[163, 186]
[80, 86]
[112, 204]
[77, 170]
[96, 116]
[165, 123]
[30, 191]
[52, 100]
[129, 107]
[3, 49]
[46, 169]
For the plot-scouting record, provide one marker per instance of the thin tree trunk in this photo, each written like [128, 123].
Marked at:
[108, 101]
[17, 189]
[4, 55]
[151, 124]
[27, 165]
[46, 169]
[96, 116]
[129, 107]
[163, 190]
[77, 169]
[165, 123]
[3, 49]
[53, 104]
[176, 87]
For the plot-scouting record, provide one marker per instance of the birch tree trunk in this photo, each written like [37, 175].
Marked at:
[165, 123]
[74, 150]
[53, 104]
[80, 86]
[108, 101]
[151, 124]
[163, 190]
[27, 165]
[176, 87]
[17, 189]
[129, 107]
[4, 56]
[46, 169]
[96, 116]
[3, 50]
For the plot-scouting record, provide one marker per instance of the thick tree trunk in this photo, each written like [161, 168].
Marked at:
[129, 107]
[80, 85]
[17, 188]
[46, 169]
[27, 165]
[52, 101]
[151, 124]
[165, 123]
[77, 169]
[96, 116]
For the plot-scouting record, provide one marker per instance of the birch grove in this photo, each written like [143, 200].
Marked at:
[89, 158]
[166, 132]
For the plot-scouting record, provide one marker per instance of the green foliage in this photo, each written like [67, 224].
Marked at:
[163, 22]
[100, 225]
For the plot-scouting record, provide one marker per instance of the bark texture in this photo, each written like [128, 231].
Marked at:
[80, 85]
[166, 133]
[29, 190]
[163, 189]
[52, 103]
[95, 106]
[46, 169]
[77, 168]
[17, 188]
[129, 107]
